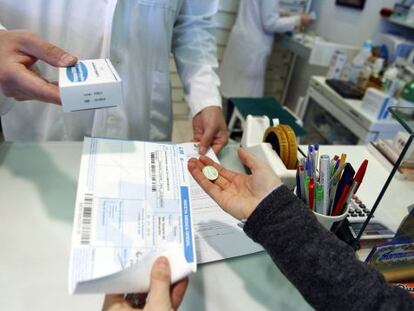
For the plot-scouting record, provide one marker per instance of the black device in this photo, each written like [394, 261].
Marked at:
[356, 4]
[346, 89]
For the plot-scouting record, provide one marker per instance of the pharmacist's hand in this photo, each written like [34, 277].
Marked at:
[162, 295]
[305, 21]
[209, 129]
[19, 51]
[238, 194]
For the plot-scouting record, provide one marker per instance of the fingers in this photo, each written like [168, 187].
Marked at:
[206, 141]
[177, 293]
[33, 86]
[51, 54]
[210, 129]
[248, 160]
[113, 302]
[159, 293]
[219, 141]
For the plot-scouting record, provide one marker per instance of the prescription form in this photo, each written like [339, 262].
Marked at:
[137, 201]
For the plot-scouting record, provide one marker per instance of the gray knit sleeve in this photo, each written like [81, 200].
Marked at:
[322, 267]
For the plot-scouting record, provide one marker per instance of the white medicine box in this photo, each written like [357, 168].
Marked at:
[90, 84]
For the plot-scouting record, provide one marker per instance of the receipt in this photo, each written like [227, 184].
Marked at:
[133, 204]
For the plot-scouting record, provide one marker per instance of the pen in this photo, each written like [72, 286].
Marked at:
[342, 162]
[337, 174]
[307, 178]
[298, 187]
[332, 198]
[316, 147]
[359, 176]
[324, 181]
[307, 165]
[339, 206]
[311, 192]
[346, 179]
[302, 179]
[310, 158]
[319, 199]
[336, 166]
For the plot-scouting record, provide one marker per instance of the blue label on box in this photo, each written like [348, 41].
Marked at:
[77, 73]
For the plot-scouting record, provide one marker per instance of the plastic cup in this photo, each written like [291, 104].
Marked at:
[328, 221]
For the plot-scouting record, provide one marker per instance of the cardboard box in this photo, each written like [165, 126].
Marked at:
[90, 84]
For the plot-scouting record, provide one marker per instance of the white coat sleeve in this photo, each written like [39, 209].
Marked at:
[4, 104]
[194, 49]
[271, 20]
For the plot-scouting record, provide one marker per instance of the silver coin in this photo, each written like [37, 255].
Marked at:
[210, 172]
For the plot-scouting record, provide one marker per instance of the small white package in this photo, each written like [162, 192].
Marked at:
[90, 84]
[376, 103]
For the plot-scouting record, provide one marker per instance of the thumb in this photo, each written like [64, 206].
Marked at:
[248, 159]
[47, 52]
[159, 292]
[205, 141]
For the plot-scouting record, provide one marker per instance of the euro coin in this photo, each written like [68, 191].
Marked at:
[210, 172]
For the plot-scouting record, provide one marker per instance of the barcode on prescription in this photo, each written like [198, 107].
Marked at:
[153, 172]
[86, 220]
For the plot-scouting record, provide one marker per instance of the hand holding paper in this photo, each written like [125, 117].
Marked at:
[162, 295]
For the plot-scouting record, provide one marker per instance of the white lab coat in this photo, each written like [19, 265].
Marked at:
[242, 71]
[138, 36]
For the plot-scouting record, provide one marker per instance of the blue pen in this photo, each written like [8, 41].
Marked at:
[316, 157]
[307, 167]
[310, 158]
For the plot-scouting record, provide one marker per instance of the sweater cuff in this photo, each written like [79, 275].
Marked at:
[267, 210]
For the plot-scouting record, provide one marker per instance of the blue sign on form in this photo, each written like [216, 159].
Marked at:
[187, 232]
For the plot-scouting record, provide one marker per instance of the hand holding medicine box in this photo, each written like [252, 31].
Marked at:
[90, 84]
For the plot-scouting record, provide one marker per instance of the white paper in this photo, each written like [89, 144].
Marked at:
[137, 201]
[132, 202]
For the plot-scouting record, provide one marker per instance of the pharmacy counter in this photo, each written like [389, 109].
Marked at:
[37, 196]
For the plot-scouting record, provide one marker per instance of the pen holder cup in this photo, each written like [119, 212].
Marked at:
[328, 221]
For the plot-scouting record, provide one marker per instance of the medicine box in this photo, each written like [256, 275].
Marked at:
[376, 103]
[90, 84]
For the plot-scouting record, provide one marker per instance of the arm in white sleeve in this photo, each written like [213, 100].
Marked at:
[2, 27]
[194, 48]
[271, 20]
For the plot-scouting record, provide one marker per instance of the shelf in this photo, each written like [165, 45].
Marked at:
[405, 116]
[301, 49]
[401, 22]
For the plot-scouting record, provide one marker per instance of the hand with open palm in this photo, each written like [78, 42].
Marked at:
[238, 194]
